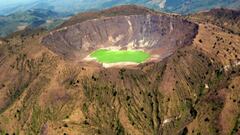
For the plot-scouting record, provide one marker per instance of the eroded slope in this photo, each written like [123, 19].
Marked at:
[189, 92]
[161, 34]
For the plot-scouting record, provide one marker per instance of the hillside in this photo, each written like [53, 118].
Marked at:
[76, 6]
[29, 19]
[118, 27]
[124, 10]
[11, 11]
[193, 6]
[193, 90]
[225, 18]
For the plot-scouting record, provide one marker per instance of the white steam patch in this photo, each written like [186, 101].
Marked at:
[161, 3]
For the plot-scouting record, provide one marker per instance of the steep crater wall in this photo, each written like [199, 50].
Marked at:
[158, 34]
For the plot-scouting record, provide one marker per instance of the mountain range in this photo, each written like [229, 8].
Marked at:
[76, 6]
[19, 15]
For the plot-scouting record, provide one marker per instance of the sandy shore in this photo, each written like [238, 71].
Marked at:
[108, 65]
[119, 64]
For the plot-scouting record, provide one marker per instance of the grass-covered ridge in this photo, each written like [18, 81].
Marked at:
[114, 56]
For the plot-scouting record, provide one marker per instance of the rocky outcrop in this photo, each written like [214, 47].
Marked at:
[150, 32]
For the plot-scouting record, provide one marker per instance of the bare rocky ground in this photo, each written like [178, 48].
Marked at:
[193, 90]
[154, 33]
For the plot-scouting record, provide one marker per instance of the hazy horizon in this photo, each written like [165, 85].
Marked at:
[14, 2]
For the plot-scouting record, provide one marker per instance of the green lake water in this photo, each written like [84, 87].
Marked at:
[114, 56]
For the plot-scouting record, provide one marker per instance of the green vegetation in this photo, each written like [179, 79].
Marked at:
[113, 56]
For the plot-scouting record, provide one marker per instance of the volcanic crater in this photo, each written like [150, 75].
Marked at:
[159, 35]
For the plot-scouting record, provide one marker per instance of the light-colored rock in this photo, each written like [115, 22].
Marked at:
[148, 32]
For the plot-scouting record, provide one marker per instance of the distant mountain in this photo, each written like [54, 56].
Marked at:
[24, 14]
[31, 19]
[190, 6]
[75, 6]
